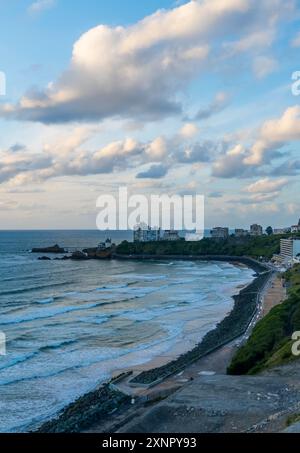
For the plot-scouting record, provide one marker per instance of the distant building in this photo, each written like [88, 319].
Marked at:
[171, 235]
[147, 235]
[239, 232]
[256, 230]
[278, 231]
[220, 233]
[295, 229]
[105, 245]
[289, 248]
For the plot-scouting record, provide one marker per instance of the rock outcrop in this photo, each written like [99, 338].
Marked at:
[52, 249]
[79, 256]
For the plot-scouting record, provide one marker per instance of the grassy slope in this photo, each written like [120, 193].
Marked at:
[270, 342]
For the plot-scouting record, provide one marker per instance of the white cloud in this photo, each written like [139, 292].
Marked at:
[40, 6]
[274, 134]
[157, 149]
[244, 161]
[253, 42]
[189, 130]
[296, 41]
[138, 71]
[267, 186]
[219, 103]
[70, 154]
[264, 66]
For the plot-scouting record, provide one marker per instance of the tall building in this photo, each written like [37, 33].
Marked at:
[289, 248]
[239, 232]
[256, 230]
[220, 233]
[147, 235]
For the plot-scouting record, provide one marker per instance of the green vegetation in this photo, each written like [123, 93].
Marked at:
[295, 418]
[269, 230]
[256, 247]
[270, 342]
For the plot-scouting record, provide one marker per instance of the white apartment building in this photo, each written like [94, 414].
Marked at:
[289, 248]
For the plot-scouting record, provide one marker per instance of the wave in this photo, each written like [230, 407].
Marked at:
[74, 359]
[50, 314]
[25, 357]
[49, 300]
[18, 359]
[33, 288]
[57, 345]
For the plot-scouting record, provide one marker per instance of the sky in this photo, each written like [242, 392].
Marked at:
[164, 97]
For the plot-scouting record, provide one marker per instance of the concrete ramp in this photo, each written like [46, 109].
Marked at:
[219, 404]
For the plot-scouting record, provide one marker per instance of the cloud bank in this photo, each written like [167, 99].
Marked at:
[140, 70]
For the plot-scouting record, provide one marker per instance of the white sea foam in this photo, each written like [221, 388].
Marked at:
[63, 341]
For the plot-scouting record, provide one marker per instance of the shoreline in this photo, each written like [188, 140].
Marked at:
[108, 399]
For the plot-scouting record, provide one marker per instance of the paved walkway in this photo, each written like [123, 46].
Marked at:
[274, 296]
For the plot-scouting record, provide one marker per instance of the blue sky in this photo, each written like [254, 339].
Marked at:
[161, 96]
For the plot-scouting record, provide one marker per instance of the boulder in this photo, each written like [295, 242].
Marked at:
[79, 256]
[52, 249]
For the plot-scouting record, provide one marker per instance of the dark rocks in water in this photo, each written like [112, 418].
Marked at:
[96, 253]
[44, 258]
[79, 256]
[53, 249]
[64, 258]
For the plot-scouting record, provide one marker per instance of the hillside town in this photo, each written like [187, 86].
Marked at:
[289, 246]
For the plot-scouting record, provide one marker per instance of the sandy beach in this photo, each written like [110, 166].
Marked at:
[170, 371]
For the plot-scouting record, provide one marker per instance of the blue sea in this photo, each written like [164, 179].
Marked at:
[70, 325]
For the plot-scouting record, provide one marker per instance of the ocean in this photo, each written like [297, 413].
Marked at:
[69, 325]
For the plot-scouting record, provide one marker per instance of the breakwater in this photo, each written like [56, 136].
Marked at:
[93, 407]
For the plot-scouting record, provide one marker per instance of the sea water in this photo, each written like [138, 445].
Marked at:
[70, 324]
